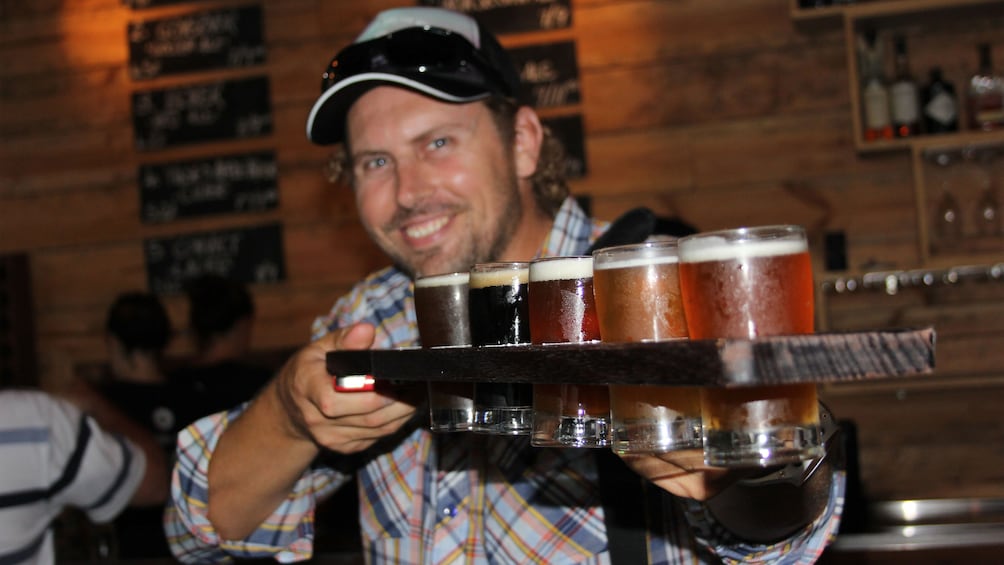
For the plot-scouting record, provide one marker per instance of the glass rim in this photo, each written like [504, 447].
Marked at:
[749, 233]
[644, 253]
[490, 266]
[441, 279]
[744, 243]
[561, 268]
[499, 273]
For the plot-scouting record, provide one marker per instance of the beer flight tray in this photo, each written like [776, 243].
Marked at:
[823, 357]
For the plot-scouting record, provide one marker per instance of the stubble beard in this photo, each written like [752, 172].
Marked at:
[474, 249]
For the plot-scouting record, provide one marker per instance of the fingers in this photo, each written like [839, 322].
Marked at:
[341, 421]
[682, 473]
[347, 438]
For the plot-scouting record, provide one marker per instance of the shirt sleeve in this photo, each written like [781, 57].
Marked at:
[802, 548]
[102, 470]
[286, 535]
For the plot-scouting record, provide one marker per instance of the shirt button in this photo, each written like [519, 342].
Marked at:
[449, 511]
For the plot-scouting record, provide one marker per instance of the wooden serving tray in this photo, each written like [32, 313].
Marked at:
[825, 357]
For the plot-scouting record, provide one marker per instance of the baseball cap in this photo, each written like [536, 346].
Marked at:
[440, 53]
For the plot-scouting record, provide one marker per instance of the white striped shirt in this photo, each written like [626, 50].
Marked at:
[53, 456]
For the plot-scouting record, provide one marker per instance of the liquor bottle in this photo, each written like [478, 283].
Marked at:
[904, 96]
[986, 95]
[874, 94]
[941, 107]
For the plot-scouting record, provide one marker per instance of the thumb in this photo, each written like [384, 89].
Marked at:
[356, 336]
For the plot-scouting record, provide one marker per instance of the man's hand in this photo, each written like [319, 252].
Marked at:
[345, 422]
[682, 473]
[262, 454]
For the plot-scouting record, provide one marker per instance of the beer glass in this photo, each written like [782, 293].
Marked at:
[638, 299]
[746, 283]
[563, 310]
[499, 315]
[441, 313]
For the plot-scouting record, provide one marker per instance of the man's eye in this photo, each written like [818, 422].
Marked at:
[438, 143]
[374, 163]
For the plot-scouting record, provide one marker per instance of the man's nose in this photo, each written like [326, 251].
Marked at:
[413, 186]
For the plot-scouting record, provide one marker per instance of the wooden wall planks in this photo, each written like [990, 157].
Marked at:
[723, 112]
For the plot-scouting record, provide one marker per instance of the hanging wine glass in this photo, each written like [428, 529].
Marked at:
[947, 225]
[987, 218]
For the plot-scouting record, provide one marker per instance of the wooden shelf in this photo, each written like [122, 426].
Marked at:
[889, 11]
[891, 14]
[824, 357]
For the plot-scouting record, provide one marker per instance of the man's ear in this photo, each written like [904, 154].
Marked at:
[527, 141]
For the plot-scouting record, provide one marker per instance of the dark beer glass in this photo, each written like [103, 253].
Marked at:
[638, 299]
[563, 310]
[747, 283]
[499, 315]
[443, 321]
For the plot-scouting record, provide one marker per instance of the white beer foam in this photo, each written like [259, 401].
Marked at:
[563, 269]
[505, 277]
[446, 279]
[636, 262]
[714, 248]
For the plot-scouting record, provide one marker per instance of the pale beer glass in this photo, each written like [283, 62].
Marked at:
[443, 320]
[637, 290]
[499, 315]
[563, 310]
[747, 283]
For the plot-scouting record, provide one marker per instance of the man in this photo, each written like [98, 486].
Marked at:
[137, 333]
[221, 318]
[53, 457]
[449, 170]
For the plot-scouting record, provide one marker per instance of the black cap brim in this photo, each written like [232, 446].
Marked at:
[326, 122]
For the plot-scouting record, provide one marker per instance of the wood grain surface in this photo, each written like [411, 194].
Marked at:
[828, 357]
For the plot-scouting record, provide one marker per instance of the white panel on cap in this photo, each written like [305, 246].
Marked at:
[395, 19]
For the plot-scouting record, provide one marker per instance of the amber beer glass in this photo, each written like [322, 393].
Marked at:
[637, 291]
[747, 283]
[499, 315]
[563, 310]
[443, 320]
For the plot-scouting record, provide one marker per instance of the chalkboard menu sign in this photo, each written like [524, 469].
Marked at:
[569, 130]
[251, 255]
[220, 39]
[184, 189]
[214, 111]
[512, 16]
[549, 73]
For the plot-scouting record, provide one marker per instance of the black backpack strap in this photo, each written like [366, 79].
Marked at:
[624, 500]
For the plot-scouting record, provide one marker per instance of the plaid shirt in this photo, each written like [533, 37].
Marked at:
[463, 498]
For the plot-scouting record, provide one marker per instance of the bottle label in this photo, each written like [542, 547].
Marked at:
[876, 103]
[905, 107]
[941, 108]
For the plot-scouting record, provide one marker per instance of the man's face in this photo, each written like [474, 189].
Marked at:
[435, 186]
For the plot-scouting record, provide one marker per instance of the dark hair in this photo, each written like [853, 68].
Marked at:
[215, 304]
[140, 322]
[549, 183]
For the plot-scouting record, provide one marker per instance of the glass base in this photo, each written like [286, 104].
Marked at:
[570, 431]
[503, 421]
[451, 419]
[647, 436]
[762, 448]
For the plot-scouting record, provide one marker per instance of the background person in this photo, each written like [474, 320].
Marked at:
[136, 391]
[220, 319]
[53, 456]
[448, 170]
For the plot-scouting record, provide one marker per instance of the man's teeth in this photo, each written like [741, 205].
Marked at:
[426, 229]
